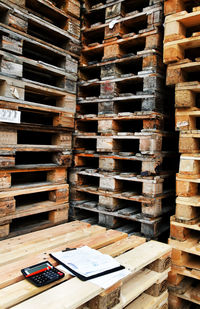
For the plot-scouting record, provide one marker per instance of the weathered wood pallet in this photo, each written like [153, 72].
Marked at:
[43, 189]
[152, 268]
[21, 67]
[181, 36]
[71, 7]
[185, 295]
[137, 23]
[147, 185]
[141, 83]
[129, 46]
[175, 6]
[33, 218]
[12, 39]
[35, 23]
[143, 142]
[36, 95]
[122, 103]
[124, 162]
[150, 227]
[117, 8]
[149, 60]
[123, 122]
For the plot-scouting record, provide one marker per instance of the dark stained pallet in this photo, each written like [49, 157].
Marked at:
[149, 228]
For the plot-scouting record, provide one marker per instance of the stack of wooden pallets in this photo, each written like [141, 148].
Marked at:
[40, 46]
[181, 53]
[124, 160]
[145, 287]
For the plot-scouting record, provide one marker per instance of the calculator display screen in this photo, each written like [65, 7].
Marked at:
[31, 270]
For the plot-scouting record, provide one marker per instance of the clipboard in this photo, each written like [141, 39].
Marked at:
[81, 276]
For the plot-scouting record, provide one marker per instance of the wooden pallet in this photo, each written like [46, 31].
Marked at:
[149, 60]
[125, 102]
[183, 71]
[144, 142]
[26, 68]
[124, 162]
[148, 84]
[138, 222]
[42, 190]
[175, 6]
[151, 269]
[129, 46]
[123, 122]
[135, 24]
[180, 38]
[59, 9]
[34, 95]
[17, 38]
[116, 182]
[37, 24]
[113, 9]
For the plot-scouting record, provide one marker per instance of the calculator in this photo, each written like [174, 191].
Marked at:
[42, 274]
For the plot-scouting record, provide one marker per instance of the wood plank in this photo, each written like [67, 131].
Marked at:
[146, 301]
[68, 290]
[51, 243]
[122, 245]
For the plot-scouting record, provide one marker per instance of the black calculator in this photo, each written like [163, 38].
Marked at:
[42, 274]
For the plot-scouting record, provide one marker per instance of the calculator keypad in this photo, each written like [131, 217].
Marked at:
[46, 277]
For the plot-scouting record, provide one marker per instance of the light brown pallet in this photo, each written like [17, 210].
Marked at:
[175, 6]
[110, 242]
[116, 49]
[178, 38]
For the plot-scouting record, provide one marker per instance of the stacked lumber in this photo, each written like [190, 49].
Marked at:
[39, 53]
[122, 141]
[181, 54]
[145, 287]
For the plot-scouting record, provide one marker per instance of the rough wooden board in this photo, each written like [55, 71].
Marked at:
[187, 296]
[34, 208]
[100, 240]
[146, 301]
[68, 290]
[191, 200]
[195, 227]
[139, 284]
[123, 245]
[154, 250]
[188, 245]
[32, 188]
[8, 244]
[52, 243]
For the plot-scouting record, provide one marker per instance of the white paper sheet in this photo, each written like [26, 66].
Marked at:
[86, 261]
